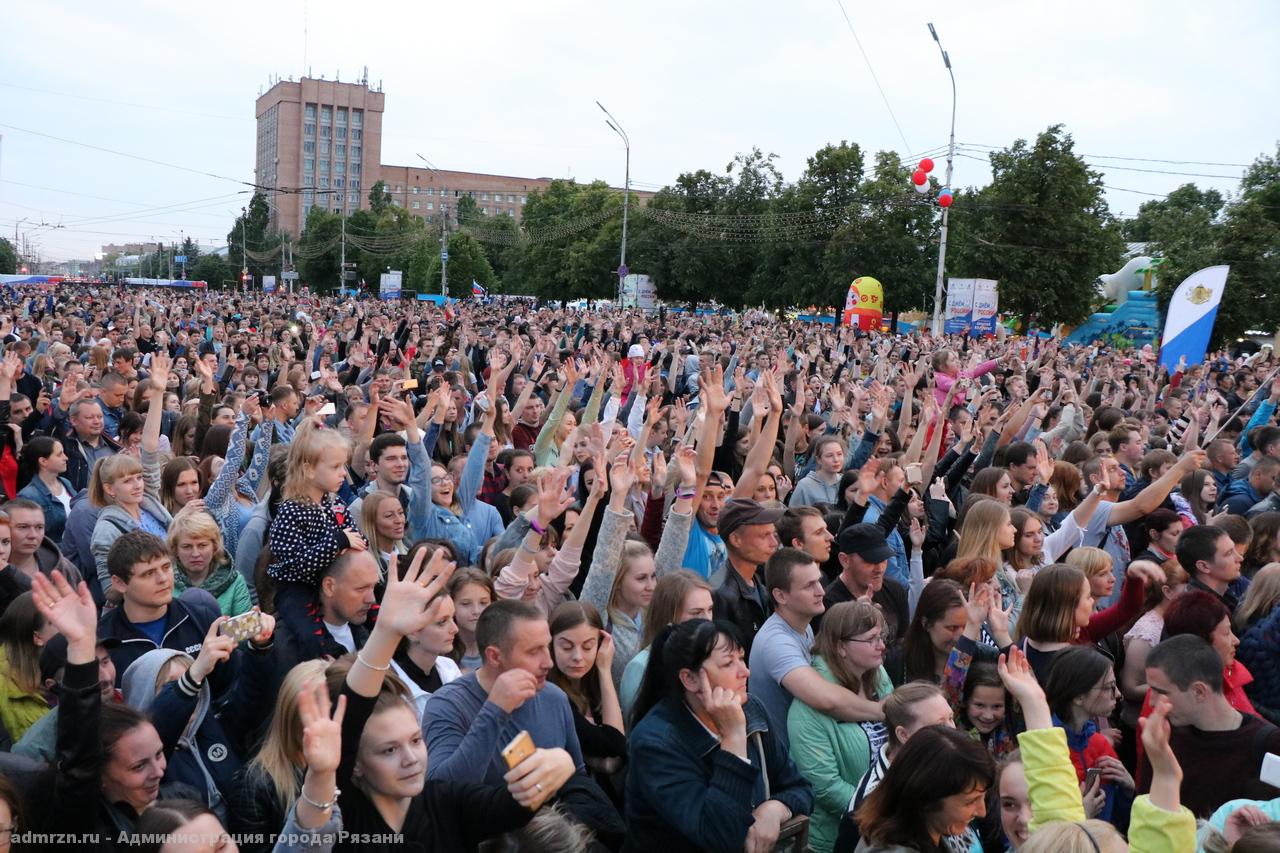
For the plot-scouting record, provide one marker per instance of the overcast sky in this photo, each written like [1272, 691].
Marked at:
[509, 88]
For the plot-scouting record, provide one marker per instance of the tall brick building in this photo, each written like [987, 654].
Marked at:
[324, 138]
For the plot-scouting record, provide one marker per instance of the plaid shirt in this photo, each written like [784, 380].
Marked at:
[495, 481]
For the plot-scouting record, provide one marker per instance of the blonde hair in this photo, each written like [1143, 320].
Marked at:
[106, 472]
[1264, 592]
[980, 532]
[280, 758]
[1092, 561]
[631, 551]
[196, 523]
[368, 520]
[309, 444]
[1089, 836]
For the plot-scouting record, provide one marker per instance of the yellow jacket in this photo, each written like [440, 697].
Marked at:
[19, 709]
[1055, 795]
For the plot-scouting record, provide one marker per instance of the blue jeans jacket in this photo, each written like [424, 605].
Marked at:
[55, 514]
[684, 793]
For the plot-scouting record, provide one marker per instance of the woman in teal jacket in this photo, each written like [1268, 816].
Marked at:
[201, 560]
[833, 755]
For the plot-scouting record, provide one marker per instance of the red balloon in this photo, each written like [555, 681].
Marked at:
[945, 200]
[918, 177]
[926, 165]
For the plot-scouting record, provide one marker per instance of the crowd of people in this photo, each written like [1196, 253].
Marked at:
[302, 574]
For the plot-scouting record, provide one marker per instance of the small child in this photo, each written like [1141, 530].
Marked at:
[310, 529]
[946, 370]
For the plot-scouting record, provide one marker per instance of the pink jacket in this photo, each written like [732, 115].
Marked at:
[944, 381]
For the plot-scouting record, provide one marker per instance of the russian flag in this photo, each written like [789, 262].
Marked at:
[477, 289]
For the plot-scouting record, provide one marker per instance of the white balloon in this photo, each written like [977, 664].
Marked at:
[922, 188]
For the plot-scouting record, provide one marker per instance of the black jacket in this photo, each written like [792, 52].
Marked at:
[736, 602]
[189, 619]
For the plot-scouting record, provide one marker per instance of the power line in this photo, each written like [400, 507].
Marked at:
[121, 103]
[1133, 159]
[1108, 166]
[867, 59]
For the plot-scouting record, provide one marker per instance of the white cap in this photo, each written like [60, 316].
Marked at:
[635, 351]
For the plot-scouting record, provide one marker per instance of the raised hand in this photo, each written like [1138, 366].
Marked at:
[404, 604]
[553, 499]
[1021, 682]
[321, 734]
[621, 477]
[160, 369]
[71, 611]
[216, 648]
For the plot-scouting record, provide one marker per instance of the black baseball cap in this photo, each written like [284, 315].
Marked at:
[865, 540]
[53, 656]
[743, 511]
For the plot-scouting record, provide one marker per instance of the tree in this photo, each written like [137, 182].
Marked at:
[214, 269]
[318, 252]
[8, 258]
[565, 258]
[1041, 228]
[379, 198]
[250, 230]
[467, 263]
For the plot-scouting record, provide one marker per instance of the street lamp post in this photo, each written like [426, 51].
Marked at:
[616, 127]
[444, 230]
[951, 155]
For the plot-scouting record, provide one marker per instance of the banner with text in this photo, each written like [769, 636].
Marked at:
[268, 284]
[389, 285]
[985, 304]
[959, 306]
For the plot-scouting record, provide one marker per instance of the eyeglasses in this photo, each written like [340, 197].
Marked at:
[440, 481]
[877, 640]
[1109, 687]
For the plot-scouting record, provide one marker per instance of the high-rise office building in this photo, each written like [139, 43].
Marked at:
[319, 143]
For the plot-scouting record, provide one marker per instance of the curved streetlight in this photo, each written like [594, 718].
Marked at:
[616, 127]
[951, 154]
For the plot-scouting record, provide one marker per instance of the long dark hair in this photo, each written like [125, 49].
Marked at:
[936, 763]
[164, 818]
[1073, 673]
[37, 448]
[918, 661]
[679, 647]
[585, 695]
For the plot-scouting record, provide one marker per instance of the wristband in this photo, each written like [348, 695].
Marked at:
[324, 807]
[685, 494]
[537, 528]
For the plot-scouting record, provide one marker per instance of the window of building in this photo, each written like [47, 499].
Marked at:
[337, 198]
[337, 182]
[342, 133]
[431, 205]
[326, 114]
[511, 199]
[417, 205]
[309, 129]
[341, 152]
[309, 147]
[324, 182]
[397, 189]
[324, 166]
[357, 118]
[324, 148]
[308, 196]
[325, 131]
[311, 112]
[339, 167]
[485, 196]
[413, 190]
[524, 199]
[308, 180]
[355, 187]
[355, 152]
[356, 133]
[306, 208]
[355, 168]
[342, 115]
[308, 164]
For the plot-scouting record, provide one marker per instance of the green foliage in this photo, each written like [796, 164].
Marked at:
[379, 198]
[8, 258]
[1193, 229]
[1041, 228]
[467, 262]
[582, 263]
[214, 269]
[250, 229]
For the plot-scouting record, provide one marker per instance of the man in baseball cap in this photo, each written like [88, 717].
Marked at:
[41, 740]
[750, 538]
[864, 557]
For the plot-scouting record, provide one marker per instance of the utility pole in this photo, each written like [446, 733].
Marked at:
[342, 256]
[616, 127]
[951, 155]
[444, 229]
[244, 249]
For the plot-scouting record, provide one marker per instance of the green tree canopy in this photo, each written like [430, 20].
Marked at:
[1041, 228]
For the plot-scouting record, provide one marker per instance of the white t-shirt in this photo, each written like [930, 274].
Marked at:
[342, 633]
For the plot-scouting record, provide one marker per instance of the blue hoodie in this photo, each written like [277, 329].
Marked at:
[1240, 497]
